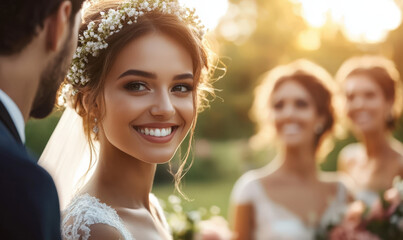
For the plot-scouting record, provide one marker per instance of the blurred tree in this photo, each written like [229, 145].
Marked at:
[254, 37]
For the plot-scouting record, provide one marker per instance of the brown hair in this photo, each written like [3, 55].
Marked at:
[89, 98]
[383, 72]
[20, 21]
[316, 80]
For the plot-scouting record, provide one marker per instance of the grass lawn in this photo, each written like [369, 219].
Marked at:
[201, 194]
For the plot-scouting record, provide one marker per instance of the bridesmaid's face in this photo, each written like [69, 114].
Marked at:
[148, 94]
[294, 114]
[366, 105]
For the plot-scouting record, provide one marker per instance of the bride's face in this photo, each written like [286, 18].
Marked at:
[149, 98]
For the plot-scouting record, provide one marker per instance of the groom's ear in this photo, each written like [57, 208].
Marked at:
[58, 26]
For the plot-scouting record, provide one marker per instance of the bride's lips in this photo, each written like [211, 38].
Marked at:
[156, 132]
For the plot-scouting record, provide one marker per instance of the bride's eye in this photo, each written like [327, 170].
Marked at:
[136, 86]
[183, 88]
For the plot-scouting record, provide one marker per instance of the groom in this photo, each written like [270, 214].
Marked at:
[37, 41]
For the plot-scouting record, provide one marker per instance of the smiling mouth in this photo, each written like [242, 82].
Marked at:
[362, 117]
[156, 132]
[291, 129]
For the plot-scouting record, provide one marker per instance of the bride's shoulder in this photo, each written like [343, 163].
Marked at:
[98, 231]
[87, 218]
[86, 206]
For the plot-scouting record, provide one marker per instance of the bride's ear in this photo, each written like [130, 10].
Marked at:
[85, 103]
[92, 105]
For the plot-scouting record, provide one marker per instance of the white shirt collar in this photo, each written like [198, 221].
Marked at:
[15, 114]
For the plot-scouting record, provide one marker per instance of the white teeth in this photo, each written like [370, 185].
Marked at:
[156, 132]
[291, 128]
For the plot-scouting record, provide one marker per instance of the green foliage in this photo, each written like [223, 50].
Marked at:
[38, 132]
[274, 42]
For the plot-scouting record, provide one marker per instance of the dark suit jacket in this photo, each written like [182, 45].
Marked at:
[29, 205]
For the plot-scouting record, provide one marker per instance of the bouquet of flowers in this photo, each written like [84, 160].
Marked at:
[200, 224]
[381, 221]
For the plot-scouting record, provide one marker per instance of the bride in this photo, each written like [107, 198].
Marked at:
[289, 199]
[138, 79]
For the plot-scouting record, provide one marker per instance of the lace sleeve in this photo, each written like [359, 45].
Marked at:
[85, 211]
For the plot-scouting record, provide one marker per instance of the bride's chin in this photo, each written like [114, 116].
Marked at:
[157, 159]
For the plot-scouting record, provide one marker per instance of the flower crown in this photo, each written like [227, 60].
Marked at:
[93, 39]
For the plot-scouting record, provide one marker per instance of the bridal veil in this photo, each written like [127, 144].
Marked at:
[67, 156]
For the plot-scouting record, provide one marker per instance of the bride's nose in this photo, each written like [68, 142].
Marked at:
[162, 106]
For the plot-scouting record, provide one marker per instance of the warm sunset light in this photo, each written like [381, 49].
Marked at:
[364, 21]
[210, 11]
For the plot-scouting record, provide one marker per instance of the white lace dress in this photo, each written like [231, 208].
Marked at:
[85, 210]
[274, 221]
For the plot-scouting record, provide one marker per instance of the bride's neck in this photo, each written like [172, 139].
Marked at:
[122, 180]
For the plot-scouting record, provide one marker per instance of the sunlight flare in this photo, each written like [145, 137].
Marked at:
[210, 11]
[365, 21]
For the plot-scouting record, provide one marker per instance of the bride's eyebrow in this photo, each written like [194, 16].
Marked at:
[183, 76]
[139, 73]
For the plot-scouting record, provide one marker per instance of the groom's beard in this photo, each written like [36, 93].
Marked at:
[51, 78]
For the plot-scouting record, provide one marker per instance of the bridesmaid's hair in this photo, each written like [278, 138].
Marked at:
[312, 77]
[383, 72]
[89, 99]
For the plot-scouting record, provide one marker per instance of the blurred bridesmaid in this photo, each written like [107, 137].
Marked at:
[372, 94]
[289, 198]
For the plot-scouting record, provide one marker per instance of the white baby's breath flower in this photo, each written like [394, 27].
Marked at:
[177, 208]
[195, 216]
[215, 210]
[177, 223]
[174, 199]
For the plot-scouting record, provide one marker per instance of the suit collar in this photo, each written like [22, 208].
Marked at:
[5, 118]
[14, 113]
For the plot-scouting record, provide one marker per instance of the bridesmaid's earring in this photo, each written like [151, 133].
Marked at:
[95, 129]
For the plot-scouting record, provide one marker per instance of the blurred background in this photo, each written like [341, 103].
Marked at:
[251, 37]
